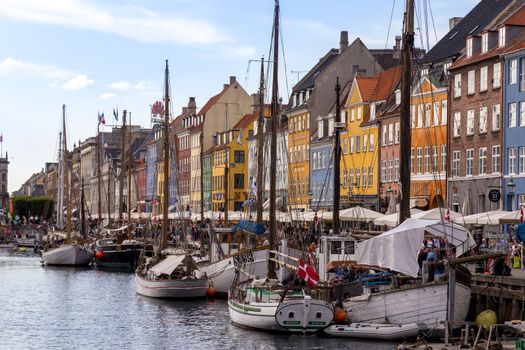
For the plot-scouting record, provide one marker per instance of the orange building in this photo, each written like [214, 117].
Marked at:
[428, 154]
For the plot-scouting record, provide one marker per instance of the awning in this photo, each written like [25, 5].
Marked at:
[398, 248]
[168, 265]
[359, 214]
[486, 218]
[511, 217]
[393, 219]
[437, 214]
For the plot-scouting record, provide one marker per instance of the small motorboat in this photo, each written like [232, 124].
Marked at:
[376, 330]
[304, 314]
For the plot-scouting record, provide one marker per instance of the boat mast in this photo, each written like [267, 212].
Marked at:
[121, 177]
[201, 160]
[260, 148]
[406, 137]
[82, 213]
[67, 184]
[273, 140]
[60, 188]
[99, 182]
[110, 161]
[130, 163]
[337, 159]
[164, 239]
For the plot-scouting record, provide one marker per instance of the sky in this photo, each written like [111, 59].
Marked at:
[95, 55]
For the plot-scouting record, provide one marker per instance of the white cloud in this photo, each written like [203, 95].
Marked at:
[107, 95]
[120, 85]
[130, 22]
[79, 82]
[143, 85]
[12, 65]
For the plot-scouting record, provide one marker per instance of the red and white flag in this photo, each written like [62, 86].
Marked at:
[307, 273]
[447, 215]
[316, 219]
[521, 214]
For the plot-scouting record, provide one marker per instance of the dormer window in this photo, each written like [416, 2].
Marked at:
[424, 71]
[484, 42]
[501, 36]
[372, 111]
[320, 131]
[469, 47]
[294, 100]
[307, 95]
[299, 99]
[398, 97]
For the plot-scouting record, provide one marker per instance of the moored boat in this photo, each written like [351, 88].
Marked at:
[124, 256]
[68, 255]
[378, 331]
[304, 314]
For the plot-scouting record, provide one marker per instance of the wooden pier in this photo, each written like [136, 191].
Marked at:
[502, 294]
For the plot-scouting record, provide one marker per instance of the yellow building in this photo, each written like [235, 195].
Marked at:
[360, 142]
[298, 158]
[230, 156]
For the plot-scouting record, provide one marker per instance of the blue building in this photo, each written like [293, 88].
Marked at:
[514, 127]
[322, 165]
[151, 174]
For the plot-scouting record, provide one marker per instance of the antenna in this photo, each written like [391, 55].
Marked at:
[298, 72]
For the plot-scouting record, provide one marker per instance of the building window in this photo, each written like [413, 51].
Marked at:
[419, 160]
[495, 159]
[383, 135]
[522, 113]
[512, 161]
[371, 148]
[370, 176]
[352, 144]
[457, 85]
[358, 177]
[238, 156]
[483, 77]
[358, 113]
[512, 115]
[345, 145]
[483, 120]
[470, 162]
[239, 181]
[412, 116]
[496, 109]
[522, 74]
[351, 178]
[501, 37]
[383, 171]
[390, 134]
[390, 170]
[436, 113]
[443, 158]
[352, 114]
[428, 109]
[469, 47]
[427, 159]
[314, 161]
[456, 158]
[496, 75]
[358, 143]
[411, 160]
[470, 122]
[396, 133]
[457, 124]
[364, 177]
[521, 165]
[419, 115]
[434, 164]
[513, 72]
[365, 142]
[482, 160]
[484, 42]
[471, 79]
[396, 169]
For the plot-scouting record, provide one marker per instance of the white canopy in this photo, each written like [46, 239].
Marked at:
[321, 215]
[511, 217]
[398, 248]
[359, 214]
[168, 265]
[393, 219]
[487, 218]
[436, 214]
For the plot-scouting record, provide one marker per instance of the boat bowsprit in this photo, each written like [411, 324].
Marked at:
[376, 330]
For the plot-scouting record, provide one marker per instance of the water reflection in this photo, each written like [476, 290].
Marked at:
[44, 308]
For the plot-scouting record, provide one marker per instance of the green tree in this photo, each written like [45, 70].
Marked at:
[27, 206]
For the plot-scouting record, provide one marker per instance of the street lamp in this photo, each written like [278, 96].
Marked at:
[511, 186]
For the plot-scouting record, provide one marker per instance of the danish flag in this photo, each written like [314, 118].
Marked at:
[447, 215]
[521, 214]
[307, 273]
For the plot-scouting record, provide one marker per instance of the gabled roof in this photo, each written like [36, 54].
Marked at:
[308, 81]
[246, 121]
[212, 101]
[472, 24]
[517, 18]
[387, 81]
[366, 86]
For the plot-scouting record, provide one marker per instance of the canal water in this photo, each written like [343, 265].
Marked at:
[65, 308]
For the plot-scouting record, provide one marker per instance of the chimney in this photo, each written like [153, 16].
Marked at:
[254, 99]
[192, 106]
[232, 80]
[343, 41]
[397, 48]
[453, 21]
[225, 86]
[184, 110]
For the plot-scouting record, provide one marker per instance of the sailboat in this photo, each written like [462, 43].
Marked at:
[169, 276]
[402, 297]
[72, 253]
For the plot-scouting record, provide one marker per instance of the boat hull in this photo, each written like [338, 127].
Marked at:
[304, 315]
[375, 331]
[68, 255]
[422, 304]
[118, 257]
[222, 272]
[174, 289]
[260, 316]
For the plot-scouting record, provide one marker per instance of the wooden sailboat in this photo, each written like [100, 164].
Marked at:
[169, 276]
[72, 253]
